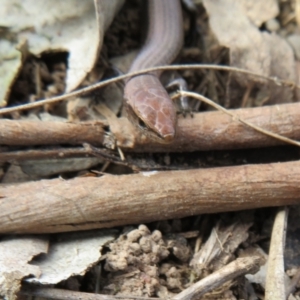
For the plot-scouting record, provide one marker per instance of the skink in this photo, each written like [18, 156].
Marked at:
[146, 98]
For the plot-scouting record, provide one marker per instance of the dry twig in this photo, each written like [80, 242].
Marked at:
[29, 133]
[275, 285]
[236, 117]
[86, 203]
[205, 131]
[239, 267]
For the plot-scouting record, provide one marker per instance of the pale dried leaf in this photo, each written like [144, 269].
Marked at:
[283, 66]
[86, 108]
[259, 52]
[14, 174]
[260, 11]
[272, 25]
[124, 62]
[294, 41]
[260, 276]
[45, 116]
[113, 97]
[72, 254]
[48, 167]
[10, 65]
[292, 297]
[15, 253]
[297, 11]
[220, 245]
[234, 30]
[69, 25]
[80, 109]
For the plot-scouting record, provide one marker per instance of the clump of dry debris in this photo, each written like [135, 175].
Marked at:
[139, 264]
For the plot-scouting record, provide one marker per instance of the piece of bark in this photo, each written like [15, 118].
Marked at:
[205, 131]
[87, 203]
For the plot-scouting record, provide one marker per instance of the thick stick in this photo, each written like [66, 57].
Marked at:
[218, 131]
[205, 131]
[29, 133]
[87, 203]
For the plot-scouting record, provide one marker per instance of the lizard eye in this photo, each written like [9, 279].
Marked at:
[142, 124]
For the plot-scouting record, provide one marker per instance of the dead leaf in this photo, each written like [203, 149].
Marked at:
[15, 255]
[70, 255]
[15, 174]
[69, 25]
[253, 50]
[48, 167]
[260, 11]
[220, 246]
[260, 276]
[297, 11]
[10, 66]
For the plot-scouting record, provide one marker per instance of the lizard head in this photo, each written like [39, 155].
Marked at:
[150, 107]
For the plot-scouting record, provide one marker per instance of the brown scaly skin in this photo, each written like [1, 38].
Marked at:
[145, 94]
[156, 110]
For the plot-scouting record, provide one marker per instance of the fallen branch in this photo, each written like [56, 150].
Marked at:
[236, 117]
[30, 133]
[205, 131]
[87, 203]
